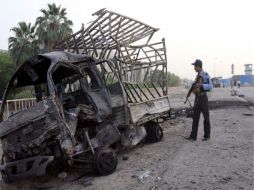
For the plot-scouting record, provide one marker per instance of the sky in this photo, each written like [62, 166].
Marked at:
[219, 32]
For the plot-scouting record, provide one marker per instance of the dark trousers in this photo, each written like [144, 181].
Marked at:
[201, 105]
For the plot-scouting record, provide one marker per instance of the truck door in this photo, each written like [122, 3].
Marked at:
[97, 91]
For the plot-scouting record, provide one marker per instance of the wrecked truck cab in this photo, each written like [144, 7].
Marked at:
[61, 123]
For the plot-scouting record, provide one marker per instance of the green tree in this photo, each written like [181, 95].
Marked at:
[24, 44]
[7, 67]
[172, 79]
[53, 26]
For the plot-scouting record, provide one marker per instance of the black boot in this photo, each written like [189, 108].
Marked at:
[206, 139]
[190, 138]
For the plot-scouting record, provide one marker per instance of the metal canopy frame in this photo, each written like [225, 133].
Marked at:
[111, 36]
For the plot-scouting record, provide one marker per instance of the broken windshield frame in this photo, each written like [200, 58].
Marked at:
[51, 88]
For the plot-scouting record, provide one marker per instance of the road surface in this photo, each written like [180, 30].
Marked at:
[224, 162]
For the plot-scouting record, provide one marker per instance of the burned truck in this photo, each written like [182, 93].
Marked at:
[99, 92]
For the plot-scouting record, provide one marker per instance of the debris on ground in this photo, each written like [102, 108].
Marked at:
[62, 175]
[144, 175]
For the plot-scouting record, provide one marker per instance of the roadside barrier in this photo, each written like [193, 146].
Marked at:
[15, 105]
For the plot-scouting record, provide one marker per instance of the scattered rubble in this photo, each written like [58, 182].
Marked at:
[62, 175]
[144, 175]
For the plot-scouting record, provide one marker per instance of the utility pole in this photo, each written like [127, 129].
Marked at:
[232, 73]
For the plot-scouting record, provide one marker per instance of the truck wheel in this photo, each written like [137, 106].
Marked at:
[154, 132]
[105, 161]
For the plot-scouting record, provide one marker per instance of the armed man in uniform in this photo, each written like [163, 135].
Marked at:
[201, 85]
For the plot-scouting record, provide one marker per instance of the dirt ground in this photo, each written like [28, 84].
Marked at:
[224, 162]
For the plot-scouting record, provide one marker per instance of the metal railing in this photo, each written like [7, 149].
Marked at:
[15, 105]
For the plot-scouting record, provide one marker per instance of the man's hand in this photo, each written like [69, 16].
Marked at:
[186, 99]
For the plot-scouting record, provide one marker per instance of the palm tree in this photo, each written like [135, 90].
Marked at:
[24, 44]
[53, 26]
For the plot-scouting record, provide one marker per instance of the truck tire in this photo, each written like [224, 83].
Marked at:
[154, 132]
[105, 161]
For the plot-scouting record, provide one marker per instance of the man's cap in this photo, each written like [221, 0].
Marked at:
[197, 62]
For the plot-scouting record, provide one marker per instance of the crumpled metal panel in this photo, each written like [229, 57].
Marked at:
[133, 135]
[139, 110]
[24, 117]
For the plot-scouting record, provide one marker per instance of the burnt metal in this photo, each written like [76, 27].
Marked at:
[35, 166]
[95, 95]
[59, 121]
